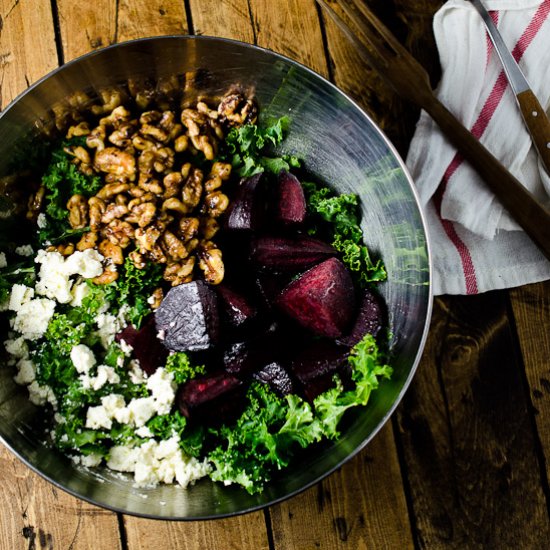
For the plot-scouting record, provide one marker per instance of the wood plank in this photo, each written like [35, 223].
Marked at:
[142, 18]
[35, 514]
[360, 506]
[27, 46]
[86, 26]
[232, 19]
[531, 307]
[242, 533]
[468, 440]
[291, 27]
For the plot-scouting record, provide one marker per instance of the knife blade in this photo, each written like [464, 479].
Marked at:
[533, 114]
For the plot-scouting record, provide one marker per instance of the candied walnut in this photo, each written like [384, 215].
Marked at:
[157, 255]
[177, 205]
[35, 203]
[77, 206]
[172, 184]
[149, 117]
[203, 108]
[173, 246]
[149, 184]
[212, 183]
[88, 240]
[215, 204]
[65, 249]
[118, 116]
[122, 136]
[96, 138]
[97, 208]
[143, 214]
[111, 251]
[208, 228]
[211, 263]
[188, 228]
[192, 120]
[205, 145]
[114, 161]
[121, 200]
[111, 97]
[112, 189]
[180, 272]
[156, 298]
[192, 245]
[108, 276]
[144, 197]
[137, 259]
[144, 144]
[119, 232]
[154, 132]
[80, 129]
[192, 190]
[221, 169]
[181, 143]
[148, 237]
[235, 109]
[113, 212]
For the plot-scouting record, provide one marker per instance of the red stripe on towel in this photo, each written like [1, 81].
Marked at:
[479, 127]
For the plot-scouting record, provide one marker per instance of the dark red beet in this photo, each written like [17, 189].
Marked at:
[246, 208]
[211, 396]
[147, 348]
[369, 320]
[270, 285]
[289, 253]
[187, 318]
[277, 377]
[321, 299]
[237, 308]
[290, 202]
[316, 366]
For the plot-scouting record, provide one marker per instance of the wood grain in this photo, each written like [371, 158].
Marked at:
[468, 441]
[531, 307]
[37, 515]
[27, 46]
[360, 506]
[240, 533]
[232, 19]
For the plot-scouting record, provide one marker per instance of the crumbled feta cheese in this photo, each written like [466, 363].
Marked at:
[97, 417]
[20, 294]
[33, 317]
[26, 372]
[41, 221]
[155, 462]
[24, 250]
[79, 291]
[108, 325]
[112, 403]
[55, 272]
[125, 347]
[40, 395]
[135, 372]
[104, 374]
[3, 261]
[163, 389]
[17, 348]
[144, 431]
[83, 358]
[141, 410]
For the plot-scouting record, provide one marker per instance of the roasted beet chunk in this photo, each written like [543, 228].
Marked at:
[321, 299]
[147, 348]
[369, 320]
[316, 366]
[290, 202]
[236, 307]
[187, 318]
[289, 253]
[276, 377]
[212, 396]
[246, 209]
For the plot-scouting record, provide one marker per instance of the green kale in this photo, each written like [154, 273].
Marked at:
[179, 365]
[62, 179]
[341, 213]
[247, 146]
[21, 273]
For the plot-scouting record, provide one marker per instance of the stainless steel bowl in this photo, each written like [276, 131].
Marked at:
[343, 147]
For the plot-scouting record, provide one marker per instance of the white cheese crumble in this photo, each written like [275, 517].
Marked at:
[41, 221]
[32, 318]
[26, 372]
[83, 358]
[20, 294]
[40, 395]
[3, 261]
[104, 374]
[97, 418]
[24, 250]
[55, 272]
[79, 291]
[163, 389]
[158, 462]
[17, 348]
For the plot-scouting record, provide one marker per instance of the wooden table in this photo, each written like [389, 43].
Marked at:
[464, 463]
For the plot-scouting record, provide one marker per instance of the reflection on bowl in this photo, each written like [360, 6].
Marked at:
[343, 148]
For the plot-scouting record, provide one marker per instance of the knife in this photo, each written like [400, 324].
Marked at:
[532, 112]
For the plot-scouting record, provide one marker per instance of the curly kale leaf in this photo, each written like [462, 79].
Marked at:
[341, 213]
[247, 146]
[182, 369]
[62, 179]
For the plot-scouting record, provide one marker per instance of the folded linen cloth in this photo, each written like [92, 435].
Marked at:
[476, 246]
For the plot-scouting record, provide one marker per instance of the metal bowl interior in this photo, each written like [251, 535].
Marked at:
[342, 147]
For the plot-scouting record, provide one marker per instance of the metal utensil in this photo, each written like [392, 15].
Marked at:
[379, 47]
[533, 114]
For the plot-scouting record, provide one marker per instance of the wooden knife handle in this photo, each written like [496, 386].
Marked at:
[538, 124]
[531, 215]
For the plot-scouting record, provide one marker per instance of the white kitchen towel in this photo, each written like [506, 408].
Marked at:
[476, 246]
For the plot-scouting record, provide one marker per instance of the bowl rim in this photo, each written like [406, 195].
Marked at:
[425, 328]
